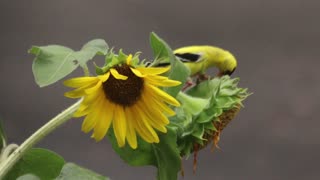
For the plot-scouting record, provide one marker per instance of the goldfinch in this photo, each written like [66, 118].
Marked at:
[199, 58]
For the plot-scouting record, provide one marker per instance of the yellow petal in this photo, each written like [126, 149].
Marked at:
[116, 75]
[94, 88]
[131, 133]
[104, 77]
[82, 111]
[145, 122]
[155, 111]
[153, 70]
[163, 83]
[80, 81]
[119, 125]
[163, 107]
[129, 58]
[153, 118]
[159, 94]
[90, 98]
[154, 102]
[101, 128]
[136, 72]
[140, 127]
[88, 122]
[78, 93]
[91, 119]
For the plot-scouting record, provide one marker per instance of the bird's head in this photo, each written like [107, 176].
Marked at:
[229, 65]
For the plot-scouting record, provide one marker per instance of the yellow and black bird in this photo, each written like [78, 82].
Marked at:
[200, 58]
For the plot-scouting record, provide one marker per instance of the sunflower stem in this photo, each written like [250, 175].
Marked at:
[55, 122]
[86, 70]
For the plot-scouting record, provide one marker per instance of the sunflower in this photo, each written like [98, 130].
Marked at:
[127, 97]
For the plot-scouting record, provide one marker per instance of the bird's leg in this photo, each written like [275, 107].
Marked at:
[188, 84]
[202, 77]
[220, 74]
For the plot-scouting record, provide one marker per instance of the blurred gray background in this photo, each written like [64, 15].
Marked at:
[276, 42]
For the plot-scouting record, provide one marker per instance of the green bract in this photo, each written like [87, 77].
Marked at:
[113, 59]
[201, 107]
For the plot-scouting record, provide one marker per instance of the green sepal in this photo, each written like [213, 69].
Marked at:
[198, 132]
[112, 60]
[206, 116]
[210, 127]
[122, 57]
[99, 70]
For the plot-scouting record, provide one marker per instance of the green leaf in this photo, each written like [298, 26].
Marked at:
[72, 171]
[163, 53]
[167, 156]
[40, 162]
[160, 49]
[3, 137]
[28, 177]
[90, 49]
[54, 62]
[164, 155]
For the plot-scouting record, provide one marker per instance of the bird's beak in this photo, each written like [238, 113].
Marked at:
[226, 72]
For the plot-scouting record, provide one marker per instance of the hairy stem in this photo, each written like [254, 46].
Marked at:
[60, 119]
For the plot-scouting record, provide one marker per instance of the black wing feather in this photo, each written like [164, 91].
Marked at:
[188, 57]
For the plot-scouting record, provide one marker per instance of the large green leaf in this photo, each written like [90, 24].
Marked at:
[72, 171]
[90, 49]
[164, 155]
[28, 177]
[163, 53]
[54, 62]
[42, 163]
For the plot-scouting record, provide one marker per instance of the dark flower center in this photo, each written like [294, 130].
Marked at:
[123, 92]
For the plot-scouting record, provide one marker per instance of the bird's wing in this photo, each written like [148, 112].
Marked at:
[189, 57]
